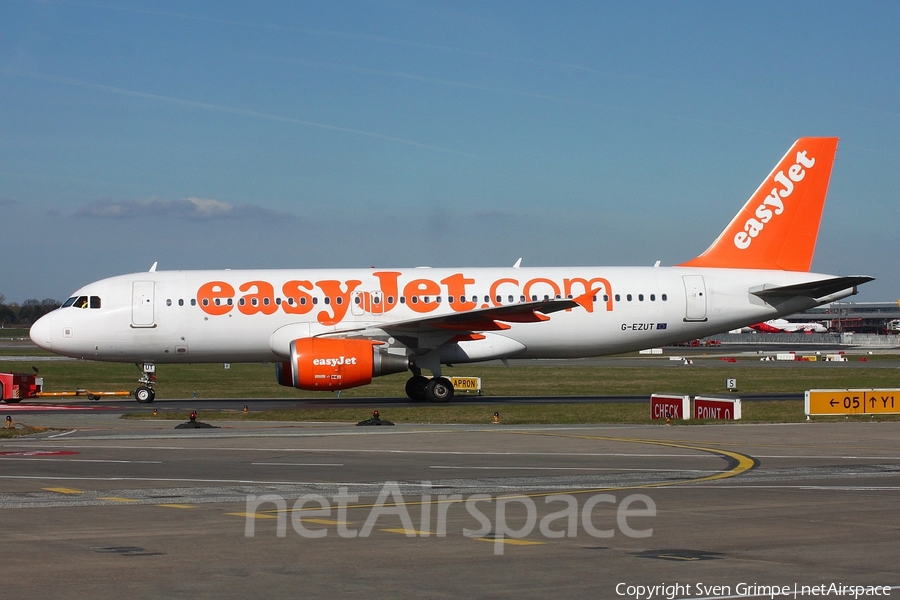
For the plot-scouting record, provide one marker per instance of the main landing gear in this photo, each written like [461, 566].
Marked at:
[436, 389]
[145, 393]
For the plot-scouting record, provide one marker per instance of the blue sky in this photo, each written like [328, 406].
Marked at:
[399, 133]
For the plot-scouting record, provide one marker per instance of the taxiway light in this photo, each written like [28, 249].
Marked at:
[246, 409]
[8, 422]
[375, 415]
[193, 416]
[496, 417]
[155, 412]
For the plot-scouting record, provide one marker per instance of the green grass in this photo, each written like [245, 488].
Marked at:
[15, 332]
[258, 381]
[19, 431]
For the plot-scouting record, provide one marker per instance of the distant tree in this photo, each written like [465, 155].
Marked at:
[33, 309]
[7, 315]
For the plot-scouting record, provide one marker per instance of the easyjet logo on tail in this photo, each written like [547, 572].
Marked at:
[778, 226]
[773, 204]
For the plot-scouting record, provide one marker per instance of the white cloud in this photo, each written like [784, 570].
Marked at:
[196, 209]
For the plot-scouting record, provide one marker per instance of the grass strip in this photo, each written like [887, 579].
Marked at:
[705, 376]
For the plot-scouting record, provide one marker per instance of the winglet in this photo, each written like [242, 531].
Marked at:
[586, 300]
[778, 226]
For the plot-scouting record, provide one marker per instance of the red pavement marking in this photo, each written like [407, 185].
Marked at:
[37, 453]
[15, 407]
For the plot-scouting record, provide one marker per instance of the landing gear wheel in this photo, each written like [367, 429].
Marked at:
[439, 390]
[144, 394]
[416, 388]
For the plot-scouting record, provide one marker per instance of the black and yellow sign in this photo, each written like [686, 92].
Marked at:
[468, 384]
[852, 402]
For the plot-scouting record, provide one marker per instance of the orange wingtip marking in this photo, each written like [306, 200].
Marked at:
[778, 226]
[586, 300]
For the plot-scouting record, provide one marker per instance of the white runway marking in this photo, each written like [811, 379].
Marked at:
[268, 464]
[492, 468]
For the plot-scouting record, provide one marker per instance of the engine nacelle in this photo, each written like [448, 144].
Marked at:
[336, 364]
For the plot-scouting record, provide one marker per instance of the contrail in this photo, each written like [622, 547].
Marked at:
[362, 38]
[224, 109]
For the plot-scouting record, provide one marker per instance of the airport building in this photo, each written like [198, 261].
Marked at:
[855, 317]
[849, 324]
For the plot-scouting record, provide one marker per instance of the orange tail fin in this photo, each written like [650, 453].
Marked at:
[778, 226]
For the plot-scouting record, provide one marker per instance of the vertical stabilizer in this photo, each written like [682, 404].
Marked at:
[778, 226]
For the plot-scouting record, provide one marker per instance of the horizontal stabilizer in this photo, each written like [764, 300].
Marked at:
[812, 289]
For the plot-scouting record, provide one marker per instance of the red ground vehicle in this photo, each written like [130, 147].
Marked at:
[15, 387]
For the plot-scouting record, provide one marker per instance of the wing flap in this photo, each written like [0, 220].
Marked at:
[484, 319]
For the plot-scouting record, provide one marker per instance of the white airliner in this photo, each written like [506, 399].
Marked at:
[336, 329]
[785, 326]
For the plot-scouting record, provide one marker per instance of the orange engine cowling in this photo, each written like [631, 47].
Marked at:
[336, 364]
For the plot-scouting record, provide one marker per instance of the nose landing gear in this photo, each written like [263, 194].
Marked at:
[145, 392]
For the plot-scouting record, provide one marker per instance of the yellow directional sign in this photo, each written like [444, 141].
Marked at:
[852, 402]
[468, 384]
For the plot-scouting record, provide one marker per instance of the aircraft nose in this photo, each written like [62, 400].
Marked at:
[41, 333]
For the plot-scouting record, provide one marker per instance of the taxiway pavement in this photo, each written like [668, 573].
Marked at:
[106, 508]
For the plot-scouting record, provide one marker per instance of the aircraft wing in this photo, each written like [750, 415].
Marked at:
[484, 319]
[430, 332]
[811, 289]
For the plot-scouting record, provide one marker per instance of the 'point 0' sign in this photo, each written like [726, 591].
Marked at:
[670, 407]
[722, 409]
[852, 402]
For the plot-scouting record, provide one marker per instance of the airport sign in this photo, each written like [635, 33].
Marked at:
[670, 407]
[852, 402]
[722, 409]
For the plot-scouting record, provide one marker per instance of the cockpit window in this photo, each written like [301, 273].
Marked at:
[83, 302]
